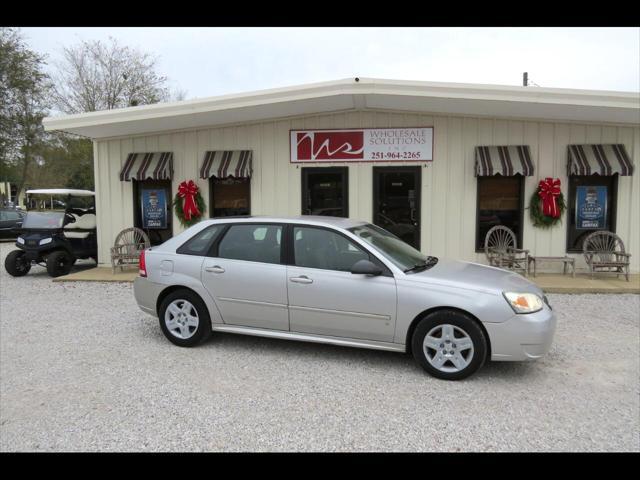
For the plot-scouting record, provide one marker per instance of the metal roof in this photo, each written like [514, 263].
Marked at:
[555, 104]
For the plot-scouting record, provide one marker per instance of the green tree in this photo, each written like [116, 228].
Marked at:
[24, 102]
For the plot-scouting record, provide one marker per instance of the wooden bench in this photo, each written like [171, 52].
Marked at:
[565, 260]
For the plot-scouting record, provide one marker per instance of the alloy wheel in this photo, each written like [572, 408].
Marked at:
[448, 348]
[181, 319]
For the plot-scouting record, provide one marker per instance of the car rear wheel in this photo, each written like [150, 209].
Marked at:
[16, 263]
[184, 318]
[59, 263]
[449, 345]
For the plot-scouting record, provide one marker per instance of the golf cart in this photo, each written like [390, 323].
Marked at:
[59, 228]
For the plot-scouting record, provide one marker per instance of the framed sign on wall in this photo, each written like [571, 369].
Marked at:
[591, 207]
[154, 208]
[362, 145]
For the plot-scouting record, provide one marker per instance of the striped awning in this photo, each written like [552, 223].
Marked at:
[599, 160]
[148, 166]
[507, 161]
[227, 163]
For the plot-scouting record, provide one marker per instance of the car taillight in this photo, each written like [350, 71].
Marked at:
[143, 265]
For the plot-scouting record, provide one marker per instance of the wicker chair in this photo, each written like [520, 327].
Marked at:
[501, 250]
[127, 247]
[604, 252]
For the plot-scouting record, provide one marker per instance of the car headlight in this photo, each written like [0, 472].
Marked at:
[523, 302]
[20, 240]
[44, 241]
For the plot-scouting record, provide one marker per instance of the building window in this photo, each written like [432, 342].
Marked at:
[500, 202]
[229, 196]
[325, 191]
[591, 207]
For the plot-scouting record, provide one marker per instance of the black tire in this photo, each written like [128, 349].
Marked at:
[201, 333]
[457, 319]
[59, 263]
[16, 264]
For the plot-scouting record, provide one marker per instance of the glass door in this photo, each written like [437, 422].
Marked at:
[396, 202]
[325, 191]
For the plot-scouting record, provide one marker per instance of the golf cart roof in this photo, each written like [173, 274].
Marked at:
[63, 191]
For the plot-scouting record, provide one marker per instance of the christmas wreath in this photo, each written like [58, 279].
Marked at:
[188, 204]
[547, 204]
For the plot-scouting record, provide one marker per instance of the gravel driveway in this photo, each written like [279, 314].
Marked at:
[81, 368]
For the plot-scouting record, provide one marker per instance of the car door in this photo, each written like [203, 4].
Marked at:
[326, 298]
[246, 277]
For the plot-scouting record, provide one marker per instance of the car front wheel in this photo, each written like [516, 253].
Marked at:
[16, 264]
[449, 345]
[184, 318]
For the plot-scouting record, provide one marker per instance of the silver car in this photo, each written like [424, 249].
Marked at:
[343, 282]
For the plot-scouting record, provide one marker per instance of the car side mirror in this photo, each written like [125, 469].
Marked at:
[366, 267]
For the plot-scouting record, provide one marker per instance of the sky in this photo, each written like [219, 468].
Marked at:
[207, 62]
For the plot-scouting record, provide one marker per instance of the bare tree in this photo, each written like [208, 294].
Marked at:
[102, 76]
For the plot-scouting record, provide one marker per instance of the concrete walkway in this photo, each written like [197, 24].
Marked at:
[549, 282]
[100, 274]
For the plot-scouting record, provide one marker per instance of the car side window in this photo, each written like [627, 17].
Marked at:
[200, 243]
[320, 248]
[254, 243]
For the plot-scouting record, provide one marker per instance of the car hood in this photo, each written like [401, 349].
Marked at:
[474, 276]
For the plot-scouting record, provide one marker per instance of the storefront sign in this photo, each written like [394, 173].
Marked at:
[154, 209]
[362, 145]
[591, 207]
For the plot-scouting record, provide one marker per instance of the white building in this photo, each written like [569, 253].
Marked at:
[403, 154]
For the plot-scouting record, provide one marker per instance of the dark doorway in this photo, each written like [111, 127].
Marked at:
[151, 187]
[325, 191]
[396, 202]
[229, 197]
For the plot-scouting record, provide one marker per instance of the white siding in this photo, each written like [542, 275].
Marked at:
[448, 212]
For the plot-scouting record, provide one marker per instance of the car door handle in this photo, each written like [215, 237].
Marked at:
[301, 279]
[214, 269]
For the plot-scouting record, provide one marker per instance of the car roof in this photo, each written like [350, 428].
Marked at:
[319, 220]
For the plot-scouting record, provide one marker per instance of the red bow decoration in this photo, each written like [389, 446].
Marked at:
[188, 191]
[548, 190]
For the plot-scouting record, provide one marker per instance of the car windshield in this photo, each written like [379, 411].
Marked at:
[404, 256]
[43, 220]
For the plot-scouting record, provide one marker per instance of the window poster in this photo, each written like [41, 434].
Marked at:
[591, 207]
[154, 208]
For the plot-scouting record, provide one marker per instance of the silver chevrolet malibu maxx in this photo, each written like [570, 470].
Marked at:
[343, 282]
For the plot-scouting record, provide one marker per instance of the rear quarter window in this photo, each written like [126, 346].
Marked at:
[200, 243]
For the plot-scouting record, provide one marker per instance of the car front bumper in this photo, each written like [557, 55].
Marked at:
[523, 336]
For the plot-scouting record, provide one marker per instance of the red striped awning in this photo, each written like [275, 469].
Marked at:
[506, 160]
[227, 163]
[147, 166]
[599, 160]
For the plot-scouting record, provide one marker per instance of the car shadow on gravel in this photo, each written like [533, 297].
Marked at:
[350, 355]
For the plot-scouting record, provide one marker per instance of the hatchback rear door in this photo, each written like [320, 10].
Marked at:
[246, 277]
